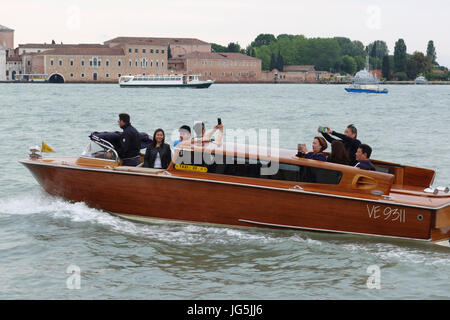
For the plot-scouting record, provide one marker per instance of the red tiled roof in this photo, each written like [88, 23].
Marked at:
[217, 55]
[13, 58]
[156, 41]
[53, 46]
[298, 68]
[85, 51]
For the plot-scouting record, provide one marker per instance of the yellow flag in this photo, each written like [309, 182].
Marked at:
[46, 148]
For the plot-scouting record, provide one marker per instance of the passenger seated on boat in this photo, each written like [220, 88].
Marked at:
[201, 136]
[319, 145]
[348, 138]
[363, 157]
[158, 154]
[185, 134]
[338, 153]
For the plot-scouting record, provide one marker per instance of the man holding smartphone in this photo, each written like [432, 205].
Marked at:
[349, 140]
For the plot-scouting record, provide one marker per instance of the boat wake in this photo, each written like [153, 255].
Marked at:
[40, 203]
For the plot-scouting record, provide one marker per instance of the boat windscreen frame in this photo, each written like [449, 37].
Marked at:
[107, 146]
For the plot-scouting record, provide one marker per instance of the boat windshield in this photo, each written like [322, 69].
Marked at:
[100, 150]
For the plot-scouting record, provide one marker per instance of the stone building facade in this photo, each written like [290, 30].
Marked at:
[6, 50]
[226, 67]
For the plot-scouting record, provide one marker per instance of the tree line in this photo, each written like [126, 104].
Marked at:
[339, 55]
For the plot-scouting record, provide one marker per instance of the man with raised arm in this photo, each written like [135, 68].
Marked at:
[349, 140]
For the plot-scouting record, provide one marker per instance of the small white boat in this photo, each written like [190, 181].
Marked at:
[164, 81]
[421, 80]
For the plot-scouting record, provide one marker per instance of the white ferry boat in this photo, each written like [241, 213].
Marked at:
[163, 81]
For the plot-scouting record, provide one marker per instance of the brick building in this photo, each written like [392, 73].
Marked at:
[218, 66]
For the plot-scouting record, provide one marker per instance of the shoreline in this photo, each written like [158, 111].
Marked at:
[255, 82]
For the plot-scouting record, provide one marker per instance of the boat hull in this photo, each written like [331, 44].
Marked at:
[193, 86]
[366, 91]
[169, 197]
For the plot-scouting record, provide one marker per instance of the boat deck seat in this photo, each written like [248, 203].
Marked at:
[139, 169]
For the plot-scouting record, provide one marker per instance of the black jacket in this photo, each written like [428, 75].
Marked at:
[130, 142]
[351, 145]
[164, 153]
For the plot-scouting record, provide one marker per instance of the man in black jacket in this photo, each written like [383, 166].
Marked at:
[130, 145]
[348, 139]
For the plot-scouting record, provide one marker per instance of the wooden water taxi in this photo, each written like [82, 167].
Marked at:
[249, 186]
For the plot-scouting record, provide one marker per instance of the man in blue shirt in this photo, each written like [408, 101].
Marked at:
[185, 134]
[363, 157]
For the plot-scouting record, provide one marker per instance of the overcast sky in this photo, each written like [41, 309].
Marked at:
[224, 21]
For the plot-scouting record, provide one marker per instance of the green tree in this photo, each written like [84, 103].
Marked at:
[218, 48]
[431, 52]
[377, 49]
[400, 57]
[280, 62]
[386, 68]
[169, 53]
[263, 39]
[417, 64]
[273, 62]
[360, 62]
[348, 64]
[234, 47]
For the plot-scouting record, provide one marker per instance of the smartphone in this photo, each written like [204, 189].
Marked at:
[219, 121]
[300, 147]
[322, 129]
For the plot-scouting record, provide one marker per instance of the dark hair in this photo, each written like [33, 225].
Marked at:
[338, 153]
[186, 128]
[125, 117]
[323, 143]
[353, 129]
[365, 149]
[198, 128]
[154, 136]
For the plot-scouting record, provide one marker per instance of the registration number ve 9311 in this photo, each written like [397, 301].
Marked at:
[386, 213]
[187, 167]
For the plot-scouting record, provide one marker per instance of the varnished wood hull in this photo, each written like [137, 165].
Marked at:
[214, 202]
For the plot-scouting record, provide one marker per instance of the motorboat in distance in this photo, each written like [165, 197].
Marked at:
[164, 81]
[251, 186]
[365, 82]
[420, 80]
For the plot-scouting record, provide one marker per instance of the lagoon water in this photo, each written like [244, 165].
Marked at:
[42, 238]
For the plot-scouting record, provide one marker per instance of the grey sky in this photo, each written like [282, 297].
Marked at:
[224, 21]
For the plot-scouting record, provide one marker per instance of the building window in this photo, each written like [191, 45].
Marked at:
[130, 63]
[71, 75]
[82, 63]
[151, 50]
[162, 51]
[151, 63]
[107, 75]
[157, 63]
[60, 62]
[82, 75]
[143, 51]
[129, 50]
[223, 74]
[71, 62]
[157, 50]
[119, 63]
[52, 62]
[107, 63]
[135, 50]
[28, 62]
[119, 75]
[162, 63]
[136, 63]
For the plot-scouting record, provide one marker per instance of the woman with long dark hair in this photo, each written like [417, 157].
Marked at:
[158, 154]
[339, 154]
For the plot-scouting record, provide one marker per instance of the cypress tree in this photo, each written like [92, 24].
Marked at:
[400, 58]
